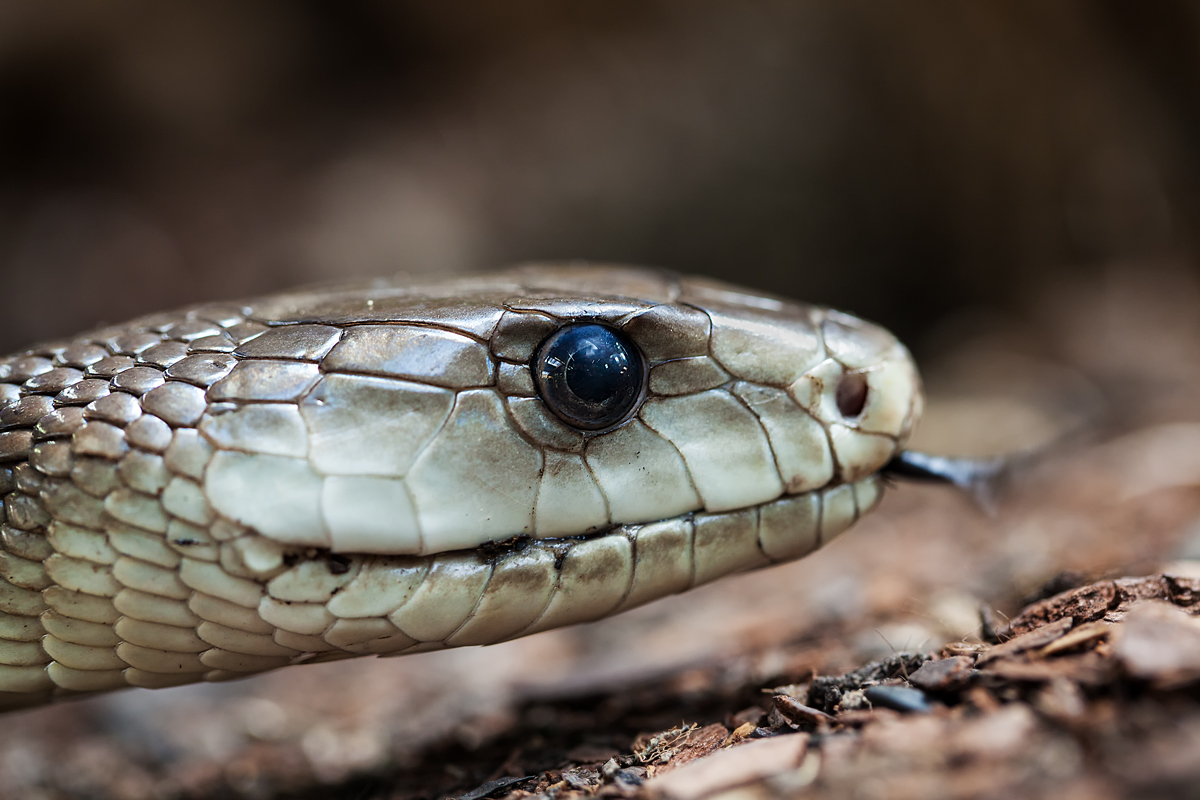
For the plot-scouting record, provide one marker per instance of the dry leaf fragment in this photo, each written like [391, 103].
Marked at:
[1087, 668]
[1034, 639]
[1084, 634]
[1159, 643]
[731, 767]
[945, 675]
[798, 713]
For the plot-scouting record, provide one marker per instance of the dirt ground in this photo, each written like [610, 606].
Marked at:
[918, 656]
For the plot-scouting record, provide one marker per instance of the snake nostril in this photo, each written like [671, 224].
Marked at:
[852, 394]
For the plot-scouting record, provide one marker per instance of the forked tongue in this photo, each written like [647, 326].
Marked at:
[982, 479]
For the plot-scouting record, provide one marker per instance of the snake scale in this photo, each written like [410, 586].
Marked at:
[395, 468]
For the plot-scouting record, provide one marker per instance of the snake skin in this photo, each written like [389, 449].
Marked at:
[227, 489]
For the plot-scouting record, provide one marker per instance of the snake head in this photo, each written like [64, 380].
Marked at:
[413, 420]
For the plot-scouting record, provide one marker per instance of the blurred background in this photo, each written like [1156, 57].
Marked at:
[901, 161]
[1013, 187]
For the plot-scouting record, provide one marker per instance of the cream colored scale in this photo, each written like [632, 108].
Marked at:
[222, 490]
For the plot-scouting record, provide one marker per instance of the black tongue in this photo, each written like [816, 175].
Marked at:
[981, 478]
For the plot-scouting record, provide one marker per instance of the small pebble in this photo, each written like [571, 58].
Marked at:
[898, 698]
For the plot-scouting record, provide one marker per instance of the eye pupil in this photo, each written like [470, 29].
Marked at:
[589, 375]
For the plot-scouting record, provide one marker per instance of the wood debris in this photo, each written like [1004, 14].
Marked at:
[1048, 697]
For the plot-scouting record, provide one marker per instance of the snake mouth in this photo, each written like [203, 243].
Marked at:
[773, 532]
[633, 564]
[523, 585]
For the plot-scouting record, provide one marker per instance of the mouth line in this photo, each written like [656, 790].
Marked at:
[492, 551]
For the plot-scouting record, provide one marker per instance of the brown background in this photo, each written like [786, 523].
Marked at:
[899, 160]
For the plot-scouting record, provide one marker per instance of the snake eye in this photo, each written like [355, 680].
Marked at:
[589, 375]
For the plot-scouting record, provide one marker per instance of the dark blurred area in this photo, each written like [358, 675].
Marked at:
[903, 161]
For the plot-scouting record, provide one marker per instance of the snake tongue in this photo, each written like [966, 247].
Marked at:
[981, 478]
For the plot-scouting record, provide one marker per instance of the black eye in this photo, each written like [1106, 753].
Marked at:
[589, 375]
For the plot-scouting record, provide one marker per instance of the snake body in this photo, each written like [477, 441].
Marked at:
[228, 489]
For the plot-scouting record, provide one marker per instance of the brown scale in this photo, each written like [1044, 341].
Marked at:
[84, 433]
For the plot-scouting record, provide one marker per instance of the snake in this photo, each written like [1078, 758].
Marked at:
[401, 466]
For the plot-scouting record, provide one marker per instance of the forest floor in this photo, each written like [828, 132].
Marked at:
[1051, 649]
